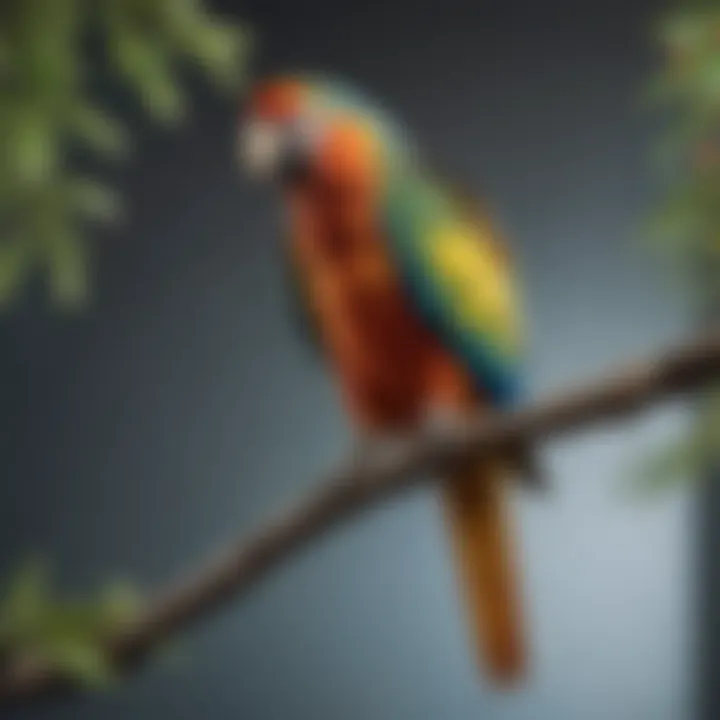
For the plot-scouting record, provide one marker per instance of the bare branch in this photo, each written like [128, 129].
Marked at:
[367, 483]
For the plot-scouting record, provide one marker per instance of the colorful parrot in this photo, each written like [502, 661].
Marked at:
[410, 297]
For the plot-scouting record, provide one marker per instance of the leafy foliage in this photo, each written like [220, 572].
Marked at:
[50, 116]
[69, 634]
[689, 89]
[49, 53]
[688, 223]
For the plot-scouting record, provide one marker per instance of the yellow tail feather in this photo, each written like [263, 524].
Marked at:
[485, 561]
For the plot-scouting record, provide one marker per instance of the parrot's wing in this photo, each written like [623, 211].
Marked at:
[299, 306]
[458, 279]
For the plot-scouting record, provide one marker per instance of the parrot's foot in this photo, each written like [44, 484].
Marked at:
[445, 425]
[522, 460]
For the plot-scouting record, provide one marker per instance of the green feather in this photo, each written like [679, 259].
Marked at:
[421, 221]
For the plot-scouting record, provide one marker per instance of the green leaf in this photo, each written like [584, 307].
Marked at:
[147, 69]
[25, 601]
[69, 634]
[84, 661]
[15, 262]
[67, 263]
[120, 602]
[688, 458]
[98, 131]
[684, 31]
[47, 107]
[35, 149]
[92, 200]
[708, 79]
[665, 469]
[220, 50]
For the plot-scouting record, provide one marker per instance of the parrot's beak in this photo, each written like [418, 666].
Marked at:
[259, 148]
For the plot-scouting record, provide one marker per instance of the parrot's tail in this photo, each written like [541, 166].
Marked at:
[475, 498]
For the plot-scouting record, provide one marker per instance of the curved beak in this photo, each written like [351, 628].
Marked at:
[259, 148]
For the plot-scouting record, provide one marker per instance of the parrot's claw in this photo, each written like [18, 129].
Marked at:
[523, 460]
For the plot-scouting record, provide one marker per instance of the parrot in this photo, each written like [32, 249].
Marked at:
[407, 291]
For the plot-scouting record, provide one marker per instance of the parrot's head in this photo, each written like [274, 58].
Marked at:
[294, 127]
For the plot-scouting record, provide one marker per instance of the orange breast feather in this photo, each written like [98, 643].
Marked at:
[388, 365]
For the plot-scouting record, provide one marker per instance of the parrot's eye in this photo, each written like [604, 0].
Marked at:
[300, 148]
[305, 132]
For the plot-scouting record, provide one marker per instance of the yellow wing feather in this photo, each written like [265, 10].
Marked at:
[481, 292]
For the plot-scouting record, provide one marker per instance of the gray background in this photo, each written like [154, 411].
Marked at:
[182, 408]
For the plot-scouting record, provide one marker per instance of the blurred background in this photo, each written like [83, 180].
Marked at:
[155, 401]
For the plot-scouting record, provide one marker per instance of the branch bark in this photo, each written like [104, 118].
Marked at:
[363, 484]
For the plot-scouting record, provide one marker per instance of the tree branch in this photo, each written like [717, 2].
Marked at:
[367, 483]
